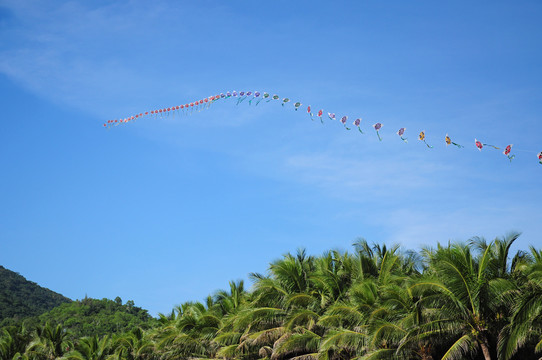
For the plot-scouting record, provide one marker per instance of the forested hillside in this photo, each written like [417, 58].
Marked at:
[20, 298]
[90, 317]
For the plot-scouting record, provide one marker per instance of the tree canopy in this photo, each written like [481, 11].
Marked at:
[458, 300]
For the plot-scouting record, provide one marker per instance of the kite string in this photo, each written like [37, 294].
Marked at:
[526, 151]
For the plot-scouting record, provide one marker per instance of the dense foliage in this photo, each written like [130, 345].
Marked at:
[455, 301]
[90, 317]
[20, 298]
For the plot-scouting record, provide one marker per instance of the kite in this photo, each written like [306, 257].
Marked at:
[309, 112]
[507, 152]
[320, 112]
[205, 103]
[377, 127]
[421, 137]
[343, 121]
[401, 132]
[357, 122]
[241, 97]
[265, 96]
[450, 142]
[256, 96]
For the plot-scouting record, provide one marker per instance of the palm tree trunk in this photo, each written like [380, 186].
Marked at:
[485, 349]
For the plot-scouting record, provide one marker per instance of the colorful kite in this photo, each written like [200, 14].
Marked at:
[450, 142]
[357, 122]
[241, 97]
[320, 112]
[343, 121]
[265, 96]
[421, 137]
[401, 132]
[205, 103]
[256, 96]
[377, 127]
[309, 112]
[507, 152]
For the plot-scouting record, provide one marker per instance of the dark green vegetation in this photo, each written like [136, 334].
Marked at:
[20, 298]
[456, 301]
[90, 317]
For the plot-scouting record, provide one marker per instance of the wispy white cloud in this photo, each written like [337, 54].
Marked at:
[94, 58]
[350, 175]
[413, 200]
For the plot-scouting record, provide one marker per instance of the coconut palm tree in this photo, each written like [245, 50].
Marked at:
[49, 342]
[231, 302]
[13, 341]
[357, 324]
[134, 345]
[192, 332]
[92, 348]
[524, 330]
[284, 306]
[468, 295]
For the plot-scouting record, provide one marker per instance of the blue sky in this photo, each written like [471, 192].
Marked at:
[168, 210]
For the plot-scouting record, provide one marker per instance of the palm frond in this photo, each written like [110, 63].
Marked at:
[462, 347]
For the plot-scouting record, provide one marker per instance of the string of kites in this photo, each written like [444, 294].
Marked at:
[257, 97]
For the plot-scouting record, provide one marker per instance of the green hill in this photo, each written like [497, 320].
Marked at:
[25, 302]
[20, 298]
[89, 317]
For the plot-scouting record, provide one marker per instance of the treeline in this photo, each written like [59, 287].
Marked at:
[473, 300]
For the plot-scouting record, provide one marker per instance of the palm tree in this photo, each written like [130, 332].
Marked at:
[192, 332]
[49, 342]
[360, 324]
[92, 348]
[232, 301]
[134, 345]
[499, 254]
[468, 295]
[283, 308]
[524, 330]
[13, 342]
[333, 276]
